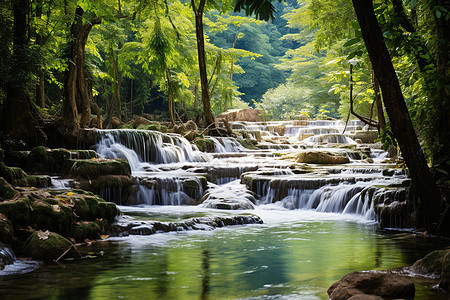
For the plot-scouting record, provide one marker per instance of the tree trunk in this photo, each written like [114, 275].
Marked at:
[380, 112]
[170, 97]
[17, 120]
[443, 69]
[202, 61]
[428, 206]
[76, 94]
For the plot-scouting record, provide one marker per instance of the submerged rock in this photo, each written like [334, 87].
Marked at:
[369, 285]
[124, 228]
[228, 204]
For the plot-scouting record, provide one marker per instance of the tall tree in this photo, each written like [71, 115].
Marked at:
[76, 94]
[199, 10]
[425, 186]
[17, 120]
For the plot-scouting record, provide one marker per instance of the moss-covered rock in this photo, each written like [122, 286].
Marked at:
[86, 230]
[46, 245]
[11, 174]
[83, 154]
[51, 214]
[90, 169]
[249, 144]
[16, 176]
[6, 231]
[153, 126]
[194, 187]
[17, 211]
[6, 190]
[38, 181]
[38, 160]
[435, 264]
[204, 144]
[125, 126]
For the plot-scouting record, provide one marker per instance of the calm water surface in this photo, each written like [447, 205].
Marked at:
[294, 255]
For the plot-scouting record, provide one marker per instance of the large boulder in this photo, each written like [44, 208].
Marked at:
[436, 264]
[319, 157]
[249, 115]
[369, 285]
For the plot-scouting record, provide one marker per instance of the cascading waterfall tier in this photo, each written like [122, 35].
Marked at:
[148, 146]
[170, 171]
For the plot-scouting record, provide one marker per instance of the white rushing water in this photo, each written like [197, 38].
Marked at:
[163, 163]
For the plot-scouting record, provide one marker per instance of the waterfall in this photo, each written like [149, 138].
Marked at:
[329, 139]
[227, 144]
[147, 147]
[7, 255]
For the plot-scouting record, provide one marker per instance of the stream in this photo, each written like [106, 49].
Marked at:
[319, 221]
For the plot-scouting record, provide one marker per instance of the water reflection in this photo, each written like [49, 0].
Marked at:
[298, 259]
[205, 275]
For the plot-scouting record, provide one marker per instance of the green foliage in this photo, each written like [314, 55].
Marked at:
[387, 137]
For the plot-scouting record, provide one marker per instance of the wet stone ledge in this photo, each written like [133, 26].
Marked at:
[125, 228]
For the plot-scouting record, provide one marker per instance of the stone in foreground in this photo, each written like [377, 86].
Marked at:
[368, 285]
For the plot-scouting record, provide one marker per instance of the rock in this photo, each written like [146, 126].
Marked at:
[317, 157]
[16, 176]
[365, 136]
[125, 126]
[7, 256]
[191, 135]
[365, 297]
[249, 144]
[6, 190]
[249, 115]
[52, 214]
[303, 117]
[436, 264]
[46, 245]
[204, 144]
[280, 130]
[115, 122]
[138, 120]
[384, 285]
[191, 126]
[118, 188]
[13, 175]
[228, 204]
[17, 211]
[38, 160]
[87, 230]
[6, 230]
[154, 127]
[303, 136]
[90, 169]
